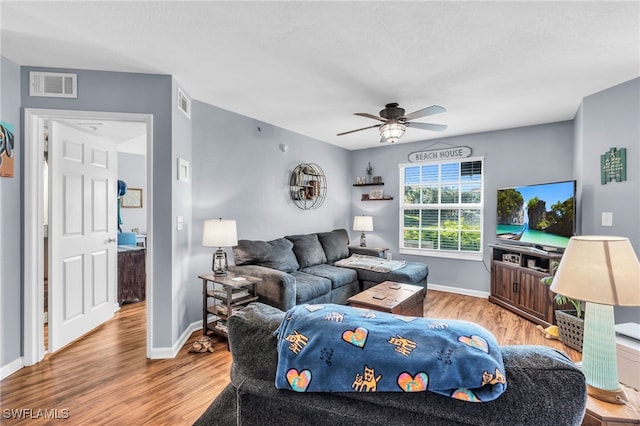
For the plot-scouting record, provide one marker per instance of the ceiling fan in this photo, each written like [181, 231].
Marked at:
[394, 121]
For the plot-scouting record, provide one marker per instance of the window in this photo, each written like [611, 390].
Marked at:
[441, 209]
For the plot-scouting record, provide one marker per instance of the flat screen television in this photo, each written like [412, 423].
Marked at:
[539, 216]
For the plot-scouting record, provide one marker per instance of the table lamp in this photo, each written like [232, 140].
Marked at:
[219, 233]
[362, 224]
[604, 272]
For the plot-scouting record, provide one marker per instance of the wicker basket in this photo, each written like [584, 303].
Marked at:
[571, 329]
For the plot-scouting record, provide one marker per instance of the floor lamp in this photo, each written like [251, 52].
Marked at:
[604, 272]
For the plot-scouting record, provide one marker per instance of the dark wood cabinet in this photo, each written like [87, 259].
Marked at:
[132, 275]
[515, 282]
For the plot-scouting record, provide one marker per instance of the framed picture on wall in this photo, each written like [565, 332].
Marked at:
[132, 199]
[183, 170]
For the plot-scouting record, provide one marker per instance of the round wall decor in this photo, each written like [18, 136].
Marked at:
[308, 186]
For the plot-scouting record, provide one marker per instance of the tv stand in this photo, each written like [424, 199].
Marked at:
[537, 249]
[515, 281]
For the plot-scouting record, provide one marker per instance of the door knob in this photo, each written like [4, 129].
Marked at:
[111, 240]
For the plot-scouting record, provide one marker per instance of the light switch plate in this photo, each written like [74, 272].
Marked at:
[179, 223]
[607, 219]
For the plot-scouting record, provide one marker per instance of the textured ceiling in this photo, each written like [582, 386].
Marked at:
[308, 66]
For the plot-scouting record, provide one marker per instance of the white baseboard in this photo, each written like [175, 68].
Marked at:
[457, 290]
[171, 352]
[12, 367]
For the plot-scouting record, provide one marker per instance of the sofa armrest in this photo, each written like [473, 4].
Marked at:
[276, 289]
[368, 251]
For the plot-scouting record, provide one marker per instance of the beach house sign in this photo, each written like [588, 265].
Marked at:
[444, 154]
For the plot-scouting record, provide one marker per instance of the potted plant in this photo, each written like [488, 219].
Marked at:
[570, 322]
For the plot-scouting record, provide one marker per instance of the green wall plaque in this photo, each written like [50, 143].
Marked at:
[613, 165]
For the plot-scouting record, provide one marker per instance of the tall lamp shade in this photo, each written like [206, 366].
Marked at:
[604, 272]
[362, 224]
[219, 233]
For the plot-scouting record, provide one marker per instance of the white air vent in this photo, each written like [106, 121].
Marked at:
[53, 84]
[184, 103]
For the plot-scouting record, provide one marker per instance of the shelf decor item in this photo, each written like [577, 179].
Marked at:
[219, 233]
[362, 224]
[376, 194]
[604, 272]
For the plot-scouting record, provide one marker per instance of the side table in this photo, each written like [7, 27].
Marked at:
[600, 413]
[227, 292]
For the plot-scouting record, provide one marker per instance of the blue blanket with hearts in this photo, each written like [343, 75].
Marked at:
[335, 348]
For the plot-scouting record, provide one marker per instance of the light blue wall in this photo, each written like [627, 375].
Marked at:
[134, 93]
[240, 173]
[611, 119]
[182, 206]
[132, 168]
[11, 223]
[520, 156]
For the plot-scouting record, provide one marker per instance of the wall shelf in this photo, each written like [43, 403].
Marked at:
[308, 186]
[377, 199]
[368, 184]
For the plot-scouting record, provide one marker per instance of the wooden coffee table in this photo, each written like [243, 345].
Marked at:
[393, 297]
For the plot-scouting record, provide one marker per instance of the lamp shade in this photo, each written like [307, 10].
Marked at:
[392, 131]
[363, 223]
[599, 269]
[219, 233]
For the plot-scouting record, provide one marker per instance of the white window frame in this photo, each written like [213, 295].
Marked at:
[451, 254]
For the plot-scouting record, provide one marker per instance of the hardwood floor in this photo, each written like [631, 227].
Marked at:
[104, 378]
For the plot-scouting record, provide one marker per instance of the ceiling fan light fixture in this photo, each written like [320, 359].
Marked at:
[392, 131]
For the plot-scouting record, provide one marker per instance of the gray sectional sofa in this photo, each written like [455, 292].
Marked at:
[543, 388]
[300, 269]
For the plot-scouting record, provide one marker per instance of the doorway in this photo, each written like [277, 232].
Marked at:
[35, 212]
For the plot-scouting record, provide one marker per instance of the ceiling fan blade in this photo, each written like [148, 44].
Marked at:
[433, 109]
[429, 126]
[357, 130]
[366, 114]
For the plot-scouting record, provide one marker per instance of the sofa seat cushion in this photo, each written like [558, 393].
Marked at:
[335, 244]
[309, 286]
[339, 276]
[275, 254]
[410, 273]
[308, 250]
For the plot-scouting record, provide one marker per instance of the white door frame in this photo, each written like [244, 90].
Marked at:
[33, 242]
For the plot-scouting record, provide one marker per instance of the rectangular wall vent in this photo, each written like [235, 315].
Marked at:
[53, 84]
[184, 103]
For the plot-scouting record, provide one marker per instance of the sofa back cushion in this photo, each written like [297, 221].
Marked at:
[275, 254]
[308, 250]
[335, 244]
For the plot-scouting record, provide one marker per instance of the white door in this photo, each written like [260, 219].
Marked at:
[82, 233]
